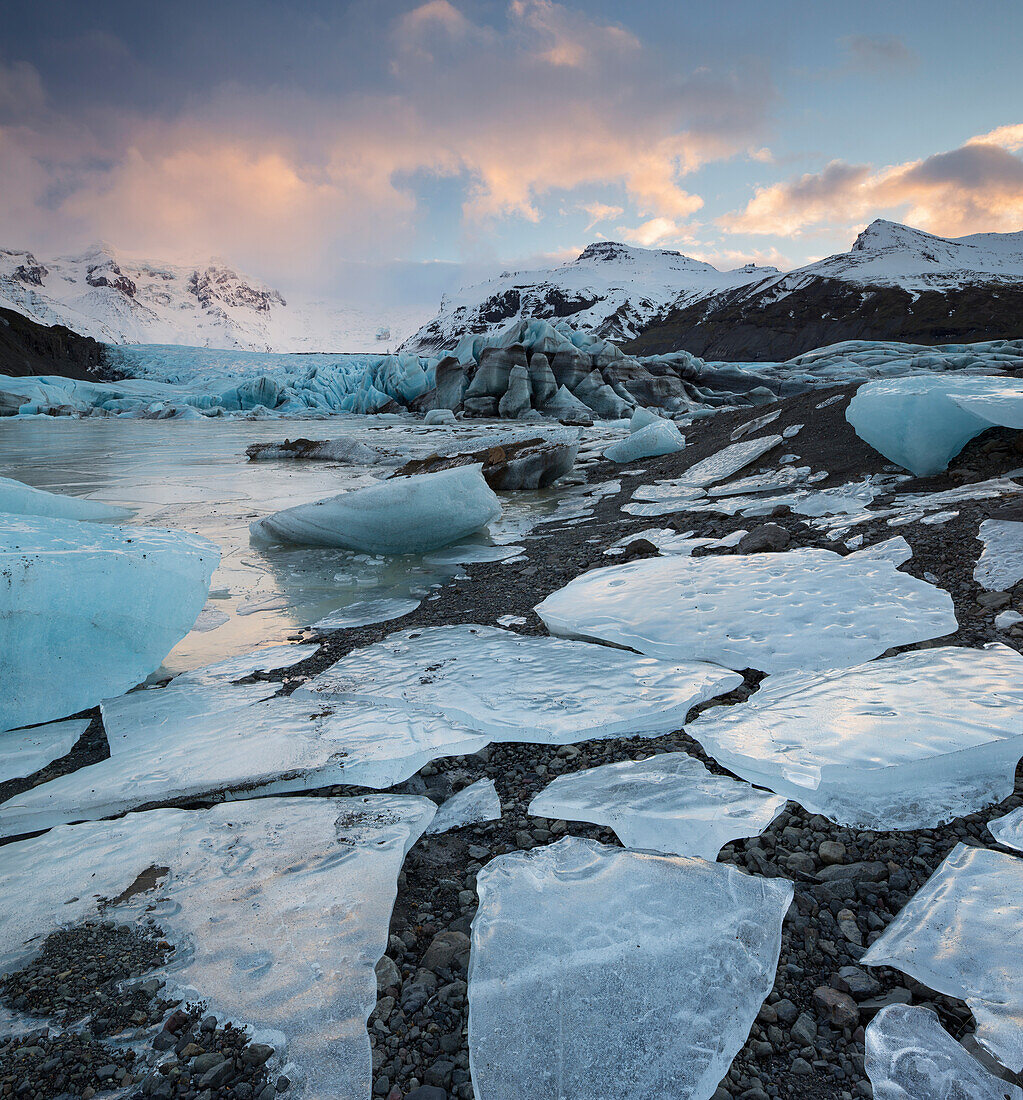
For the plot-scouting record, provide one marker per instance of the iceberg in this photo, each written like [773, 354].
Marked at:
[89, 610]
[24, 752]
[801, 609]
[1001, 405]
[595, 971]
[514, 687]
[907, 742]
[471, 805]
[959, 935]
[405, 515]
[1000, 565]
[910, 1056]
[23, 500]
[668, 803]
[279, 910]
[657, 438]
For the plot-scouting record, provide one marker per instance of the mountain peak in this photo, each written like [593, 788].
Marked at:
[882, 233]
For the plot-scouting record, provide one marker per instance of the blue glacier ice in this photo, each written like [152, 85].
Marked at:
[20, 499]
[659, 437]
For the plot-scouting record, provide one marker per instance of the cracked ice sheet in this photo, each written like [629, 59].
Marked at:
[961, 934]
[24, 752]
[279, 909]
[1001, 564]
[724, 464]
[910, 1056]
[908, 742]
[605, 960]
[471, 805]
[803, 608]
[668, 803]
[514, 687]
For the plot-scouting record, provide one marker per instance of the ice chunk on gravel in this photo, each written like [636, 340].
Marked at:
[469, 806]
[608, 964]
[23, 500]
[895, 550]
[910, 1056]
[803, 608]
[723, 464]
[660, 437]
[960, 935]
[668, 803]
[405, 515]
[365, 612]
[1001, 563]
[1008, 830]
[279, 909]
[907, 742]
[24, 752]
[90, 610]
[515, 687]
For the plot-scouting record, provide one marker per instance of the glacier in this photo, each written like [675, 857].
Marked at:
[516, 687]
[668, 803]
[20, 499]
[404, 515]
[594, 971]
[906, 742]
[801, 609]
[90, 610]
[279, 909]
[959, 935]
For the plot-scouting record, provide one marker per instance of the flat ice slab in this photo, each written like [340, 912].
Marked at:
[515, 687]
[668, 803]
[279, 910]
[202, 734]
[1008, 830]
[961, 934]
[1000, 564]
[90, 610]
[24, 752]
[404, 515]
[800, 609]
[23, 500]
[364, 612]
[908, 742]
[598, 972]
[469, 806]
[658, 437]
[910, 1056]
[724, 464]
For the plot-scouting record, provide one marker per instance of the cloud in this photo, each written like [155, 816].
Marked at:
[975, 188]
[878, 53]
[653, 232]
[600, 212]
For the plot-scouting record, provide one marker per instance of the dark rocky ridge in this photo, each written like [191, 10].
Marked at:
[28, 348]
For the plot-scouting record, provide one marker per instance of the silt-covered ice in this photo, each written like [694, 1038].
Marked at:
[907, 742]
[515, 687]
[20, 499]
[961, 934]
[806, 608]
[469, 806]
[910, 1056]
[668, 803]
[1000, 564]
[278, 909]
[89, 610]
[596, 972]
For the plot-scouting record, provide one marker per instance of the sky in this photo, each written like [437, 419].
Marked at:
[377, 149]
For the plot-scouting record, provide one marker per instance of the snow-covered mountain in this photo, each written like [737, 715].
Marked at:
[895, 283]
[118, 300]
[610, 290]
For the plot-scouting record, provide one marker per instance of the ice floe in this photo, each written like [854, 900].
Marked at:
[469, 806]
[23, 500]
[801, 609]
[596, 972]
[404, 515]
[279, 910]
[668, 803]
[659, 437]
[907, 742]
[514, 687]
[363, 612]
[1000, 565]
[716, 467]
[960, 935]
[910, 1056]
[90, 610]
[24, 752]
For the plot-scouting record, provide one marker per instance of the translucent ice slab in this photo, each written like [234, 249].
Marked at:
[598, 972]
[1001, 564]
[961, 934]
[800, 609]
[668, 803]
[24, 752]
[726, 462]
[513, 687]
[471, 805]
[1008, 830]
[910, 1056]
[998, 404]
[660, 437]
[278, 908]
[364, 612]
[90, 610]
[21, 499]
[908, 742]
[405, 515]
